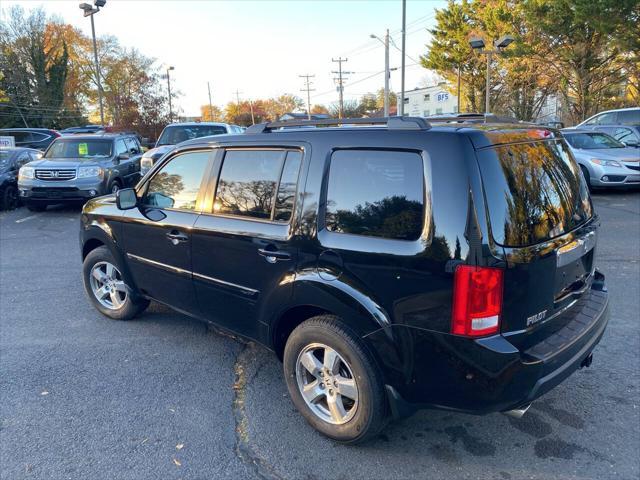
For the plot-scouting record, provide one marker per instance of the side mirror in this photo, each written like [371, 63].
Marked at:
[123, 156]
[126, 199]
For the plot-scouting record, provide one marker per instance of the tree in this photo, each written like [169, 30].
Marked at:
[351, 109]
[393, 99]
[319, 109]
[213, 114]
[585, 42]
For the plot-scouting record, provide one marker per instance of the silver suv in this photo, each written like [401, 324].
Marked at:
[622, 124]
[79, 167]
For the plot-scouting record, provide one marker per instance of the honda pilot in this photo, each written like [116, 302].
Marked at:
[391, 267]
[79, 167]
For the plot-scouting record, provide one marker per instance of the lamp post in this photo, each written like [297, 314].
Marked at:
[89, 11]
[478, 45]
[169, 91]
[387, 73]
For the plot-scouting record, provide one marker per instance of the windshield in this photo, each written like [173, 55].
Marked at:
[180, 133]
[536, 193]
[592, 141]
[79, 148]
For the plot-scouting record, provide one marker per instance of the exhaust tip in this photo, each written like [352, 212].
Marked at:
[517, 412]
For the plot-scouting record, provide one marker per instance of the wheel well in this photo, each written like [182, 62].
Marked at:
[90, 245]
[289, 321]
[116, 180]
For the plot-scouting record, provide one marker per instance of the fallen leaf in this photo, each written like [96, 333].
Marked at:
[179, 446]
[145, 441]
[177, 462]
[44, 392]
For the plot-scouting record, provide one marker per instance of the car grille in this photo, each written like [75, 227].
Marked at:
[56, 175]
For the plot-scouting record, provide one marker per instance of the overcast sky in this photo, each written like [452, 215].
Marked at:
[260, 47]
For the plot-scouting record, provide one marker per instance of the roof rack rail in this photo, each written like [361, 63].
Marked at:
[392, 123]
[472, 117]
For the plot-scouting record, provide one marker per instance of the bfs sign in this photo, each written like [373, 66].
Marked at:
[442, 97]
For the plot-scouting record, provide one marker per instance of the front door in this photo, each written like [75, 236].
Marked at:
[157, 234]
[243, 250]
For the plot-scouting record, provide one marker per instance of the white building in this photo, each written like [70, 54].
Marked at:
[434, 100]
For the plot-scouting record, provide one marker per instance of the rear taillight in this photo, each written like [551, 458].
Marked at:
[477, 301]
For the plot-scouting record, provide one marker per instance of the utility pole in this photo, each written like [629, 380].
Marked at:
[404, 34]
[253, 120]
[238, 97]
[169, 91]
[210, 105]
[341, 80]
[458, 88]
[387, 74]
[308, 89]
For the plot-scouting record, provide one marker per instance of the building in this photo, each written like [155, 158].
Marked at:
[434, 100]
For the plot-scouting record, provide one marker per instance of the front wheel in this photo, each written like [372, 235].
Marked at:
[106, 288]
[10, 198]
[587, 177]
[333, 381]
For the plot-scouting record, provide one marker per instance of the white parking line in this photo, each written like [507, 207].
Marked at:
[27, 218]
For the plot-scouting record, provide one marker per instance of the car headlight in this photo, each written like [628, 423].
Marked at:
[146, 163]
[605, 163]
[90, 172]
[26, 173]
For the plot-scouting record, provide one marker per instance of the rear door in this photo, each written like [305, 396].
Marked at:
[243, 248]
[157, 234]
[541, 215]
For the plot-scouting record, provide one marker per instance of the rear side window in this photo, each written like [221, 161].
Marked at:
[535, 192]
[376, 193]
[259, 184]
[629, 117]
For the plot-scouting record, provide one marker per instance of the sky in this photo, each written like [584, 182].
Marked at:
[261, 47]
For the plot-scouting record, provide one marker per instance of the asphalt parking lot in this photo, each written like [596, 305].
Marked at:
[164, 396]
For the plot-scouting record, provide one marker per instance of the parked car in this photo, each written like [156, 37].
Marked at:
[38, 138]
[604, 161]
[11, 159]
[179, 132]
[623, 117]
[79, 167]
[85, 129]
[390, 268]
[627, 134]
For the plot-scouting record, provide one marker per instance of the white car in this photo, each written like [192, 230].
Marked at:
[176, 133]
[604, 161]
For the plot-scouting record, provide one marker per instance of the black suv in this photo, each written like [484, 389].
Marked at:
[79, 167]
[391, 267]
[38, 138]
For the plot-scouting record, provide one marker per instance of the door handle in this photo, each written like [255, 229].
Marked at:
[177, 237]
[272, 256]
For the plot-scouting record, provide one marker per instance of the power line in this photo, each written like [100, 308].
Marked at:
[308, 89]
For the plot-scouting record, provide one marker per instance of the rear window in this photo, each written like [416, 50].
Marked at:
[535, 192]
[376, 193]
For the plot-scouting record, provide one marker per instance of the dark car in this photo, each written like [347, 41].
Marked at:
[79, 167]
[38, 138]
[395, 267]
[85, 129]
[11, 159]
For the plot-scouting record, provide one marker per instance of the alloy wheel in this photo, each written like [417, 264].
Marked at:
[326, 383]
[108, 286]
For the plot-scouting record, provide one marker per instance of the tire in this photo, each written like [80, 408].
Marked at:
[587, 177]
[115, 186]
[365, 416]
[117, 300]
[10, 198]
[37, 207]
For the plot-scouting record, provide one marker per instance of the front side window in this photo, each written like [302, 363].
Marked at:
[376, 193]
[258, 184]
[625, 135]
[177, 183]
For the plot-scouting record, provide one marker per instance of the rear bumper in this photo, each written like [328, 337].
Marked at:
[436, 370]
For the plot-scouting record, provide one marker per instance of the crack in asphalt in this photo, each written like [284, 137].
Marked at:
[243, 449]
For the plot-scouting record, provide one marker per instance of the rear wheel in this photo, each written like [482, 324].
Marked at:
[36, 207]
[115, 186]
[106, 288]
[10, 198]
[333, 380]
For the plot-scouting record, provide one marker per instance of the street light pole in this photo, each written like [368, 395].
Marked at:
[387, 72]
[478, 45]
[169, 90]
[89, 11]
[404, 41]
